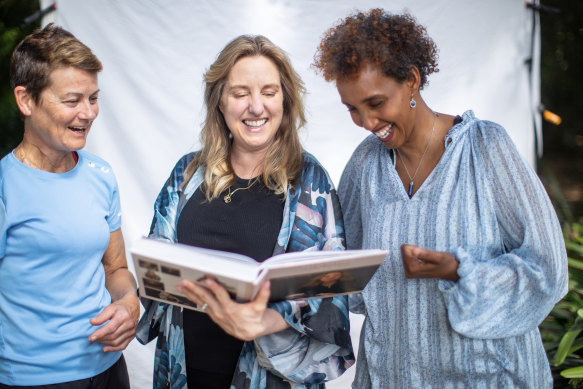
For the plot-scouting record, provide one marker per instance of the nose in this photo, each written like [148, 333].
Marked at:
[89, 110]
[255, 105]
[369, 122]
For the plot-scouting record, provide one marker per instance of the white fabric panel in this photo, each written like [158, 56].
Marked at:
[155, 52]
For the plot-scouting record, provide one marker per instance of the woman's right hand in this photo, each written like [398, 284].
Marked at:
[419, 262]
[245, 321]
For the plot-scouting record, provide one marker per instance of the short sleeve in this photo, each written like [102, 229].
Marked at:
[3, 228]
[114, 217]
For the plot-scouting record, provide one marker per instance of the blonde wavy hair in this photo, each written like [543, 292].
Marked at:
[283, 161]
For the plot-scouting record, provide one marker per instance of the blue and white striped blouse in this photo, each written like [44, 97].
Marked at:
[487, 207]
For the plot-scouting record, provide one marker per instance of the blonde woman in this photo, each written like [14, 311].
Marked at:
[251, 189]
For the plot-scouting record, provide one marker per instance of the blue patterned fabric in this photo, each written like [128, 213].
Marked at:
[317, 346]
[487, 207]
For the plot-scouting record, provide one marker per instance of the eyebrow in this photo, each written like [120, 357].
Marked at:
[365, 100]
[66, 94]
[276, 86]
[372, 98]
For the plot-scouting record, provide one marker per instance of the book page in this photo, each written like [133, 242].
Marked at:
[159, 281]
[319, 284]
[161, 265]
[312, 258]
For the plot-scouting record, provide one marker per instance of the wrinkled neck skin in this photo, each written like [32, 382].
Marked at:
[38, 156]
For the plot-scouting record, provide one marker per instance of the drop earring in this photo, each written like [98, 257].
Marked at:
[412, 102]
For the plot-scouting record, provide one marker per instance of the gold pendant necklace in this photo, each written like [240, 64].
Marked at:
[228, 196]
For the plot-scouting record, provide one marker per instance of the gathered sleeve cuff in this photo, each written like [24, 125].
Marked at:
[317, 346]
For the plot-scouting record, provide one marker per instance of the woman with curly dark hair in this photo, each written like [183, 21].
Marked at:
[476, 256]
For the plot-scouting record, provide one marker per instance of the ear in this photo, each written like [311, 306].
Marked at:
[414, 80]
[23, 100]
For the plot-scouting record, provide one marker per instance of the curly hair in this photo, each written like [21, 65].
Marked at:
[395, 43]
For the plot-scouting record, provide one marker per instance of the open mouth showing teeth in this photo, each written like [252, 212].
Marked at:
[77, 129]
[384, 132]
[255, 123]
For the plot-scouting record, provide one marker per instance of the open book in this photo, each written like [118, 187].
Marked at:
[161, 265]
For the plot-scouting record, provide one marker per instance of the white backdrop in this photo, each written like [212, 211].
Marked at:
[155, 52]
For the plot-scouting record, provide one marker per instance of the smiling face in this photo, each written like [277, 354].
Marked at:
[252, 104]
[60, 121]
[380, 104]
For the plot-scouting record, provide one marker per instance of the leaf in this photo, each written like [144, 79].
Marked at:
[577, 345]
[575, 263]
[565, 346]
[574, 372]
[575, 247]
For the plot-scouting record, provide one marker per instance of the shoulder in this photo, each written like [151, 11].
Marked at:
[93, 160]
[95, 167]
[368, 148]
[311, 165]
[482, 131]
[488, 142]
[181, 165]
[6, 167]
[186, 159]
[367, 152]
[309, 160]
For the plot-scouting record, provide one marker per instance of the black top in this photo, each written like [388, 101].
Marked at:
[248, 225]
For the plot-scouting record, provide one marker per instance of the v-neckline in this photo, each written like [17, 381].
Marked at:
[392, 155]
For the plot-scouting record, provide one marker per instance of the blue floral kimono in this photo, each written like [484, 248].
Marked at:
[316, 347]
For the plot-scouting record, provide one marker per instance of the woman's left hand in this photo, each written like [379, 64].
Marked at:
[122, 318]
[422, 263]
[245, 321]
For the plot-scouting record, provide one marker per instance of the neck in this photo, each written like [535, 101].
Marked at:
[247, 164]
[420, 133]
[42, 159]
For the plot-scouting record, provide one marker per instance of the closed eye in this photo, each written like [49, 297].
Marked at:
[376, 104]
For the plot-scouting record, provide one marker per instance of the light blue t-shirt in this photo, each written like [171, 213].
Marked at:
[54, 230]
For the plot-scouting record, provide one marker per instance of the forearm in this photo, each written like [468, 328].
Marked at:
[121, 284]
[272, 322]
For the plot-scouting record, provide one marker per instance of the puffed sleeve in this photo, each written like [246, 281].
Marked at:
[511, 293]
[317, 346]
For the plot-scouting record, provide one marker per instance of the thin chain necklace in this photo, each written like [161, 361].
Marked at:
[411, 179]
[228, 196]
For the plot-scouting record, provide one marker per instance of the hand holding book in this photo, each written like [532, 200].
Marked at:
[245, 321]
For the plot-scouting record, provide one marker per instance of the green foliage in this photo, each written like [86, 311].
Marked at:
[12, 13]
[562, 330]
